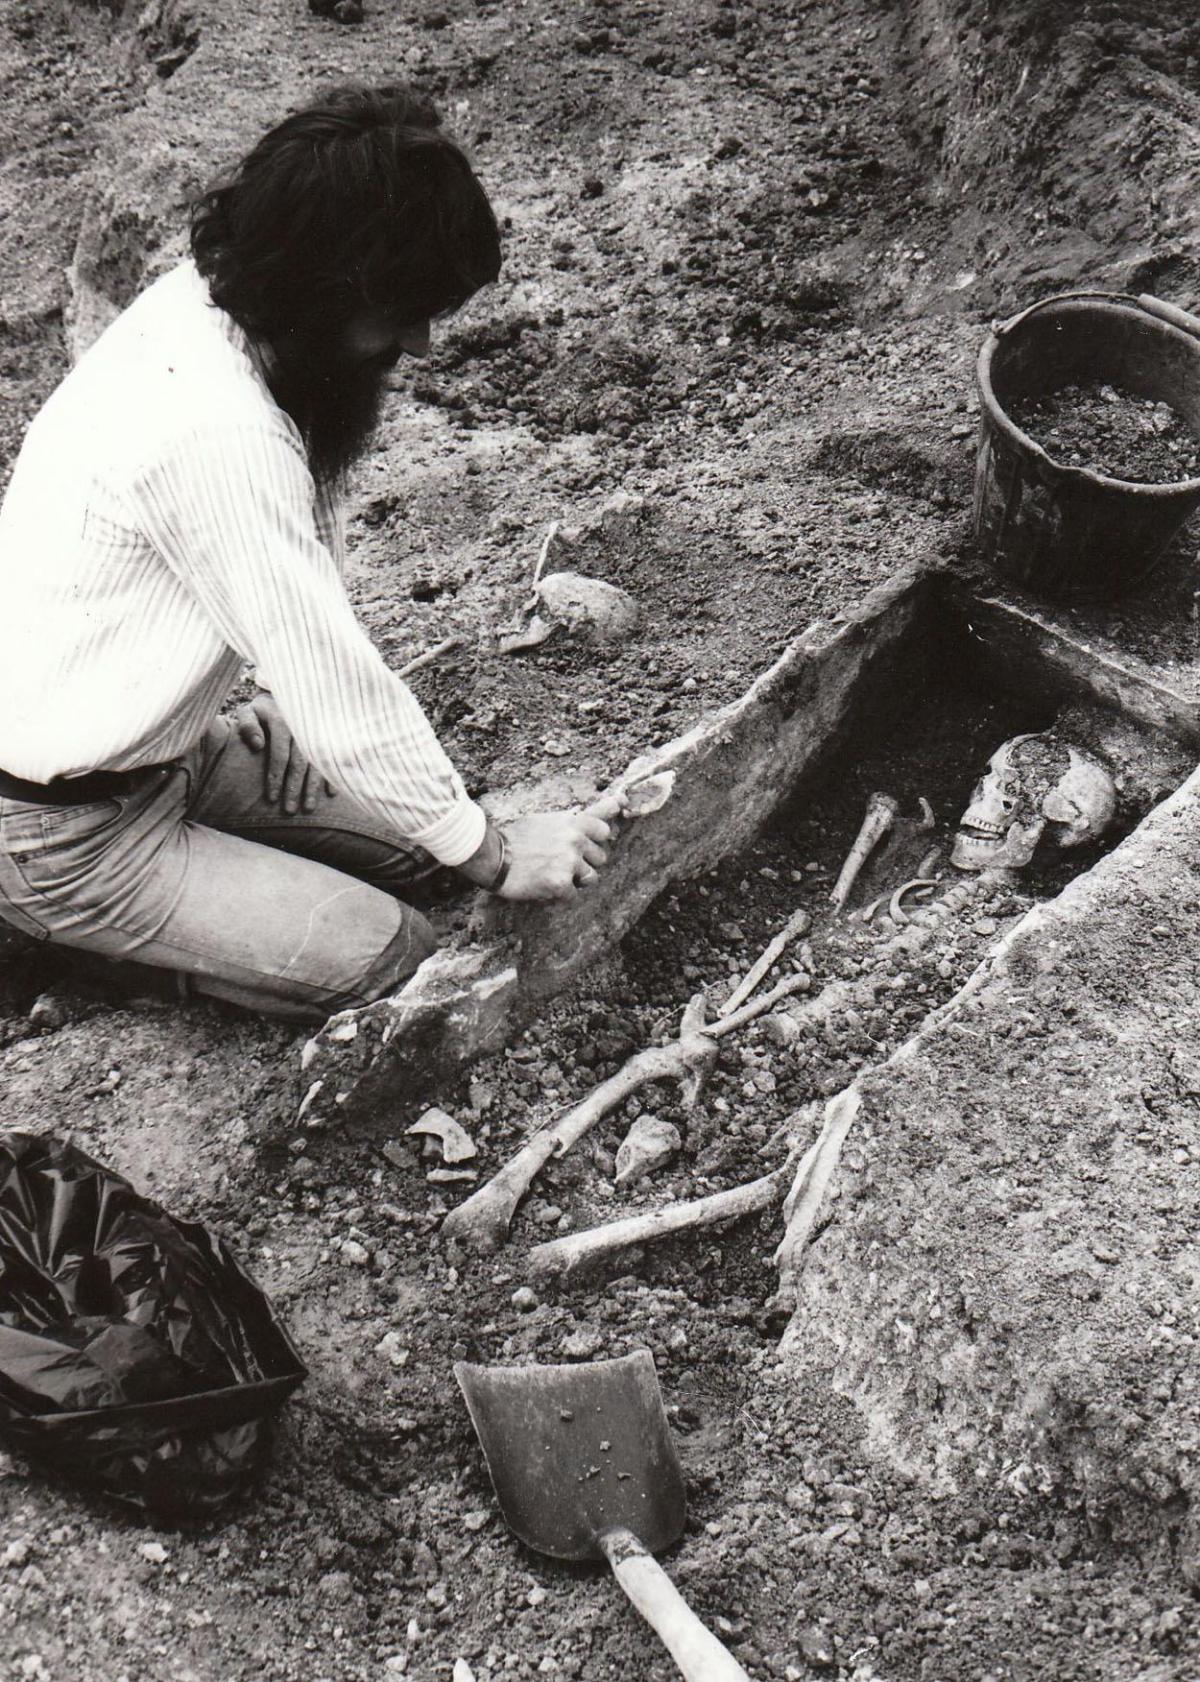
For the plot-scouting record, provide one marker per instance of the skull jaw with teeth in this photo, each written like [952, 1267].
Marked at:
[1034, 786]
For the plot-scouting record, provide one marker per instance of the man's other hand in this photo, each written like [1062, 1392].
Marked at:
[552, 855]
[289, 780]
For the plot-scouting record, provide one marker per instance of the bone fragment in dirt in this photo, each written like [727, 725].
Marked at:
[649, 1144]
[482, 1222]
[562, 1256]
[930, 862]
[544, 551]
[880, 816]
[796, 925]
[533, 635]
[807, 1195]
[455, 1143]
[446, 646]
[928, 821]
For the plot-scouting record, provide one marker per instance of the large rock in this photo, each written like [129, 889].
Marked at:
[1007, 1285]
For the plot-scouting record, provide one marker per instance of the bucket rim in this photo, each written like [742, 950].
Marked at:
[1000, 417]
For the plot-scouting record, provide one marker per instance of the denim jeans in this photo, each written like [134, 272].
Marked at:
[193, 871]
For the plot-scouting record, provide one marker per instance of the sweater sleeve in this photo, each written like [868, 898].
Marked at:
[231, 512]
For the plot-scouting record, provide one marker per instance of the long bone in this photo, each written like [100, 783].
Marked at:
[881, 814]
[562, 1256]
[484, 1219]
[808, 1180]
[796, 925]
[801, 1188]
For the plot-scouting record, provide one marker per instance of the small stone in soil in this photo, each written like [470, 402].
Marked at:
[817, 1648]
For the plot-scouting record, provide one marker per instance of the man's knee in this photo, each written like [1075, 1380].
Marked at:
[413, 942]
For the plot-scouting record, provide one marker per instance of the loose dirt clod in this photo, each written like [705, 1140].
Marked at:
[1112, 432]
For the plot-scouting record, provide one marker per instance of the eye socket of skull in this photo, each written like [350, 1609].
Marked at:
[1038, 765]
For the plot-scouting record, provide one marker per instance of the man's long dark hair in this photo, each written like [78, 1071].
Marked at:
[357, 201]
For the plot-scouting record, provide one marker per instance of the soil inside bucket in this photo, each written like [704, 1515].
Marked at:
[1112, 432]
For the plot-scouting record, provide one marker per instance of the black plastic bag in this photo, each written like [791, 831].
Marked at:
[135, 1354]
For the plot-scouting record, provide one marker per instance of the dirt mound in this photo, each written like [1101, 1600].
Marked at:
[1064, 140]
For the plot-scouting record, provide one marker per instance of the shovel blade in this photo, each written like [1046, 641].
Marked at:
[576, 1450]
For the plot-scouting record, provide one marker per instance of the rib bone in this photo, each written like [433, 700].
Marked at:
[880, 816]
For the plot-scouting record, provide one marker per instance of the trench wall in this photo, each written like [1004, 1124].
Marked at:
[1006, 1280]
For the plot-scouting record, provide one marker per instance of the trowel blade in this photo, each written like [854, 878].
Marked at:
[575, 1450]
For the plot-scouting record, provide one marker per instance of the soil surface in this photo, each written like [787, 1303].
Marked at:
[751, 251]
[1111, 432]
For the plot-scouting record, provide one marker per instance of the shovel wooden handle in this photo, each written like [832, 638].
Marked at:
[696, 1650]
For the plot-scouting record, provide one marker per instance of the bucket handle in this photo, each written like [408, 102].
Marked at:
[1159, 307]
[1000, 328]
[1172, 313]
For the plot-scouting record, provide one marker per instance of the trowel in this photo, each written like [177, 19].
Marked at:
[584, 1468]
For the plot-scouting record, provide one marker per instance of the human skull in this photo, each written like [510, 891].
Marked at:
[1034, 785]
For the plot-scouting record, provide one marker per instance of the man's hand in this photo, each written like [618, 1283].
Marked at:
[289, 780]
[551, 854]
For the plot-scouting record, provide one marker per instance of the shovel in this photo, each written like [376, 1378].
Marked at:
[583, 1466]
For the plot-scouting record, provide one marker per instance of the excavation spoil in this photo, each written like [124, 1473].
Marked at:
[1112, 432]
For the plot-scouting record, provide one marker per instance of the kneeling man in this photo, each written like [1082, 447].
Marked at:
[173, 516]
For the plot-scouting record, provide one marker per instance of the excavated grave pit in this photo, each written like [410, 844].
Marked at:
[911, 694]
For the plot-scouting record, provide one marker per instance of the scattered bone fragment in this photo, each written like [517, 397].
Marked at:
[533, 634]
[307, 1102]
[446, 646]
[880, 817]
[587, 607]
[650, 1143]
[781, 1029]
[462, 1672]
[562, 1256]
[544, 551]
[928, 821]
[452, 1176]
[796, 925]
[456, 1144]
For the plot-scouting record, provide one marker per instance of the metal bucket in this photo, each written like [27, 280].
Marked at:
[1069, 532]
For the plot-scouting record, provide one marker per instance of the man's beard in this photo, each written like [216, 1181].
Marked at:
[335, 406]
